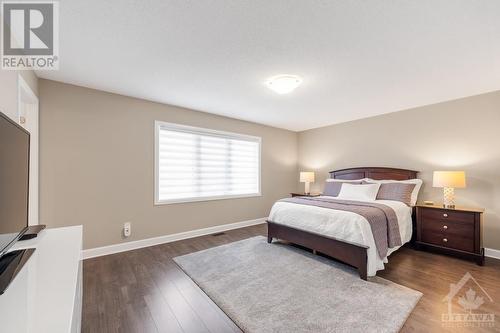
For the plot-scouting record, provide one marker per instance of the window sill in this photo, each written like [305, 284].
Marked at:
[222, 197]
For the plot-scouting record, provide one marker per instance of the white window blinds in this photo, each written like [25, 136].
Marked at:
[195, 164]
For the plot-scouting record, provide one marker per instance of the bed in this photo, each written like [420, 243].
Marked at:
[345, 236]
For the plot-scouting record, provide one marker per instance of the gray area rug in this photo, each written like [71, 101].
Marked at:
[279, 288]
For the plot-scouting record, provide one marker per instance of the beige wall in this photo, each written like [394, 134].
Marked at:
[457, 135]
[97, 160]
[97, 163]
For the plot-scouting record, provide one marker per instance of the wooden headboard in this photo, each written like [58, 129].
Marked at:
[377, 173]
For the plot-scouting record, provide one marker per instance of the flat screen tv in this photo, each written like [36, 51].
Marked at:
[14, 182]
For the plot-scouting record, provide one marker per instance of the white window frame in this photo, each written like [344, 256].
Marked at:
[232, 135]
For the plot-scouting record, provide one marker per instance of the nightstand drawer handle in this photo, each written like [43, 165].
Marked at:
[445, 227]
[445, 240]
[445, 215]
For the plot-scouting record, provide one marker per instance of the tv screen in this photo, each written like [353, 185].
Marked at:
[14, 178]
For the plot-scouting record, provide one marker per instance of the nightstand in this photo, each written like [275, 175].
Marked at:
[305, 195]
[454, 231]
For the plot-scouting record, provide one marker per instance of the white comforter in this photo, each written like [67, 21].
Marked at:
[343, 225]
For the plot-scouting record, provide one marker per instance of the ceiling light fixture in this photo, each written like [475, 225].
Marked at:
[283, 84]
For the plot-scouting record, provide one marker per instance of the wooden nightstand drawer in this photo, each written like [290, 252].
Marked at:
[448, 215]
[450, 227]
[458, 242]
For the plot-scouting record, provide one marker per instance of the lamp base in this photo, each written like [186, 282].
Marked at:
[306, 188]
[449, 197]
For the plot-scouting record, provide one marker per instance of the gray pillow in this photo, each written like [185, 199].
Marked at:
[396, 191]
[332, 189]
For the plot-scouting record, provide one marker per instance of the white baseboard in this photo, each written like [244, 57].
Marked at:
[492, 253]
[122, 247]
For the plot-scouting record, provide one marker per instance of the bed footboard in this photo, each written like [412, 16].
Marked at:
[349, 253]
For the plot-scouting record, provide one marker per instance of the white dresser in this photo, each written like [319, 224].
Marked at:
[46, 295]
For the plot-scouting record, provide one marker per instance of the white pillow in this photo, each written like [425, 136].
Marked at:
[359, 192]
[414, 193]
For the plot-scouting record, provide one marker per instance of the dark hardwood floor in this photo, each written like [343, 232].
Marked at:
[144, 290]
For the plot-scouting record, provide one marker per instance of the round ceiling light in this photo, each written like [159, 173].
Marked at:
[284, 84]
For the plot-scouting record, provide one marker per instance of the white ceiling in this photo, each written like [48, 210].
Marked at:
[357, 58]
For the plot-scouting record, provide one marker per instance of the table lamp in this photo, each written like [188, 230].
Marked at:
[449, 180]
[307, 177]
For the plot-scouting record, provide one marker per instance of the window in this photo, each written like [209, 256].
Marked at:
[197, 164]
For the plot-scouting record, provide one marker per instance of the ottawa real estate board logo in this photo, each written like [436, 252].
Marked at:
[467, 302]
[30, 35]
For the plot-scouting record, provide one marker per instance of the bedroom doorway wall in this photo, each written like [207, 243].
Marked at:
[28, 118]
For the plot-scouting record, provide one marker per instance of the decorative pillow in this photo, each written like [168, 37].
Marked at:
[396, 191]
[359, 192]
[416, 189]
[332, 188]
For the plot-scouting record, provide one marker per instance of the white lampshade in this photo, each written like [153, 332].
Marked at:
[453, 179]
[307, 177]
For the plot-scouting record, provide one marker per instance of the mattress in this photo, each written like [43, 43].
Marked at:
[343, 225]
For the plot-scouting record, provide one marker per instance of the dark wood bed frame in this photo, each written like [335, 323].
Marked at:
[350, 253]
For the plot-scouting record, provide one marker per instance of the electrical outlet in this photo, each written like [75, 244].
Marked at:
[127, 229]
